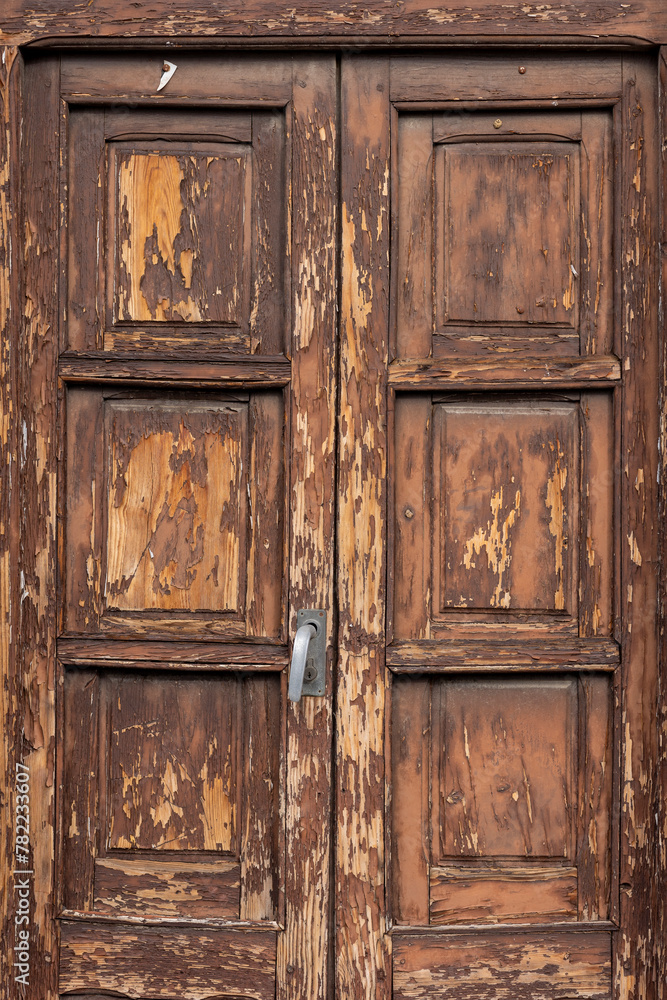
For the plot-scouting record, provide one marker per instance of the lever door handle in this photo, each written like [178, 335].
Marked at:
[297, 670]
[306, 675]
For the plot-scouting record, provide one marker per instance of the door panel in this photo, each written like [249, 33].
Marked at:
[182, 764]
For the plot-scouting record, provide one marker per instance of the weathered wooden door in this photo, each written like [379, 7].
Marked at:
[510, 302]
[195, 474]
[376, 335]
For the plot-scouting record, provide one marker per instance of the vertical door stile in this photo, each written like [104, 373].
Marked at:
[303, 949]
[37, 373]
[10, 689]
[362, 952]
[661, 844]
[635, 942]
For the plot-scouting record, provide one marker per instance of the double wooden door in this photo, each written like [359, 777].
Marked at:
[376, 336]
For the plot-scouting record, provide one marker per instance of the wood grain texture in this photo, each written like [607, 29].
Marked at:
[567, 21]
[661, 853]
[176, 513]
[522, 967]
[410, 800]
[504, 765]
[513, 893]
[173, 767]
[80, 694]
[362, 949]
[504, 263]
[437, 373]
[507, 502]
[264, 372]
[165, 888]
[11, 691]
[262, 836]
[303, 950]
[194, 964]
[634, 953]
[181, 225]
[37, 476]
[510, 651]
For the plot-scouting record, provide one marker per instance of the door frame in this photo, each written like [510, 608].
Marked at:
[27, 693]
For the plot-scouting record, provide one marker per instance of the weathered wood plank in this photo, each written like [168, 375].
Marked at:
[254, 371]
[441, 373]
[634, 961]
[80, 692]
[262, 839]
[12, 704]
[661, 853]
[362, 948]
[37, 485]
[546, 77]
[513, 894]
[166, 888]
[191, 963]
[567, 653]
[410, 792]
[257, 656]
[303, 950]
[567, 21]
[535, 966]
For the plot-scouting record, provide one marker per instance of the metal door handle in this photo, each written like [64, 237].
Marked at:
[306, 675]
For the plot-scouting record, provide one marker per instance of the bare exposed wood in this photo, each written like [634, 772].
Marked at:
[568, 21]
[193, 963]
[512, 651]
[440, 373]
[538, 966]
[362, 949]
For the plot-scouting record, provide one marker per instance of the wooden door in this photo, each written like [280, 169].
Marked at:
[452, 448]
[499, 391]
[190, 392]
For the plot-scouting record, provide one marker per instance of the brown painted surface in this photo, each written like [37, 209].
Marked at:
[362, 946]
[503, 895]
[11, 698]
[570, 20]
[504, 768]
[164, 888]
[507, 478]
[192, 963]
[180, 235]
[172, 767]
[177, 507]
[229, 857]
[535, 967]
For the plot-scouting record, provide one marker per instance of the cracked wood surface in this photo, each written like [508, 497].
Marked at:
[635, 954]
[362, 953]
[644, 21]
[303, 950]
[11, 693]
